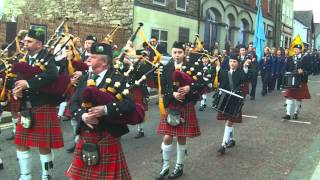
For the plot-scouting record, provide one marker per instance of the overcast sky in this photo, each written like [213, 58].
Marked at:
[309, 5]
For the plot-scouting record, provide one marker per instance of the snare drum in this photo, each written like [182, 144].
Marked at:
[228, 103]
[291, 80]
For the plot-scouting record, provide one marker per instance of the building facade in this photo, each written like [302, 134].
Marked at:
[303, 25]
[286, 23]
[168, 20]
[232, 22]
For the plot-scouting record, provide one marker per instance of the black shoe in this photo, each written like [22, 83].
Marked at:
[71, 149]
[295, 116]
[11, 137]
[286, 117]
[140, 134]
[201, 108]
[222, 150]
[162, 175]
[177, 172]
[252, 98]
[48, 177]
[1, 164]
[263, 93]
[204, 105]
[231, 143]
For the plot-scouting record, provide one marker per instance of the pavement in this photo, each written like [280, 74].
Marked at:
[266, 148]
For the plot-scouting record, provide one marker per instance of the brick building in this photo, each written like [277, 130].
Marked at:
[232, 22]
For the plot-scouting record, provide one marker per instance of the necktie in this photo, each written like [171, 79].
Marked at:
[95, 77]
[31, 60]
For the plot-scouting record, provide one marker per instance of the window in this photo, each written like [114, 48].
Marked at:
[269, 6]
[184, 34]
[160, 2]
[162, 36]
[181, 5]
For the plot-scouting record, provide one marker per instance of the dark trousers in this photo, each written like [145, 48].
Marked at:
[253, 82]
[266, 79]
[279, 81]
[272, 82]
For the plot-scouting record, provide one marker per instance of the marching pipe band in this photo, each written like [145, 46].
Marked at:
[103, 98]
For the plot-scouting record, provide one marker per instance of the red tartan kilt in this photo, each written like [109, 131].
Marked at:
[45, 131]
[190, 128]
[222, 117]
[245, 88]
[138, 97]
[298, 93]
[13, 106]
[112, 164]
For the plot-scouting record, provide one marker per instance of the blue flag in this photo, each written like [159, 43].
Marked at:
[259, 35]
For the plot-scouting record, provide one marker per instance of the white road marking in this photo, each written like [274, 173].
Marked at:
[318, 94]
[301, 122]
[314, 81]
[254, 117]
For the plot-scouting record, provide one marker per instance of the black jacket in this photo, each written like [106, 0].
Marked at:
[33, 93]
[238, 78]
[303, 62]
[115, 109]
[167, 86]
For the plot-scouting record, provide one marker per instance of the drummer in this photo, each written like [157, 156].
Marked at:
[231, 80]
[302, 65]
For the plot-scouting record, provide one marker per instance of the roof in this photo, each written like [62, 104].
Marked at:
[305, 17]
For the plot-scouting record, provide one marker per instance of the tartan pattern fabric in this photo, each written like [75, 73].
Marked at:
[223, 117]
[245, 88]
[138, 96]
[298, 93]
[45, 131]
[190, 128]
[112, 164]
[13, 105]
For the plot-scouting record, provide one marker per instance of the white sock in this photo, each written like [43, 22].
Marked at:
[25, 163]
[46, 164]
[181, 154]
[74, 125]
[14, 122]
[140, 126]
[231, 133]
[203, 100]
[62, 107]
[226, 135]
[289, 103]
[298, 106]
[166, 153]
[76, 138]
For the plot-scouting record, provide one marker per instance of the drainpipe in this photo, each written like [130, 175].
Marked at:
[199, 15]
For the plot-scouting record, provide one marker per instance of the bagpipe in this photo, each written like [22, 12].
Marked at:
[6, 62]
[115, 89]
[25, 71]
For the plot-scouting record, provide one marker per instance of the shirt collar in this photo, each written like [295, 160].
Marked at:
[103, 73]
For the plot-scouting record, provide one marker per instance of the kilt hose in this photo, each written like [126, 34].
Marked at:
[245, 89]
[139, 97]
[190, 128]
[223, 117]
[112, 164]
[298, 93]
[45, 130]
